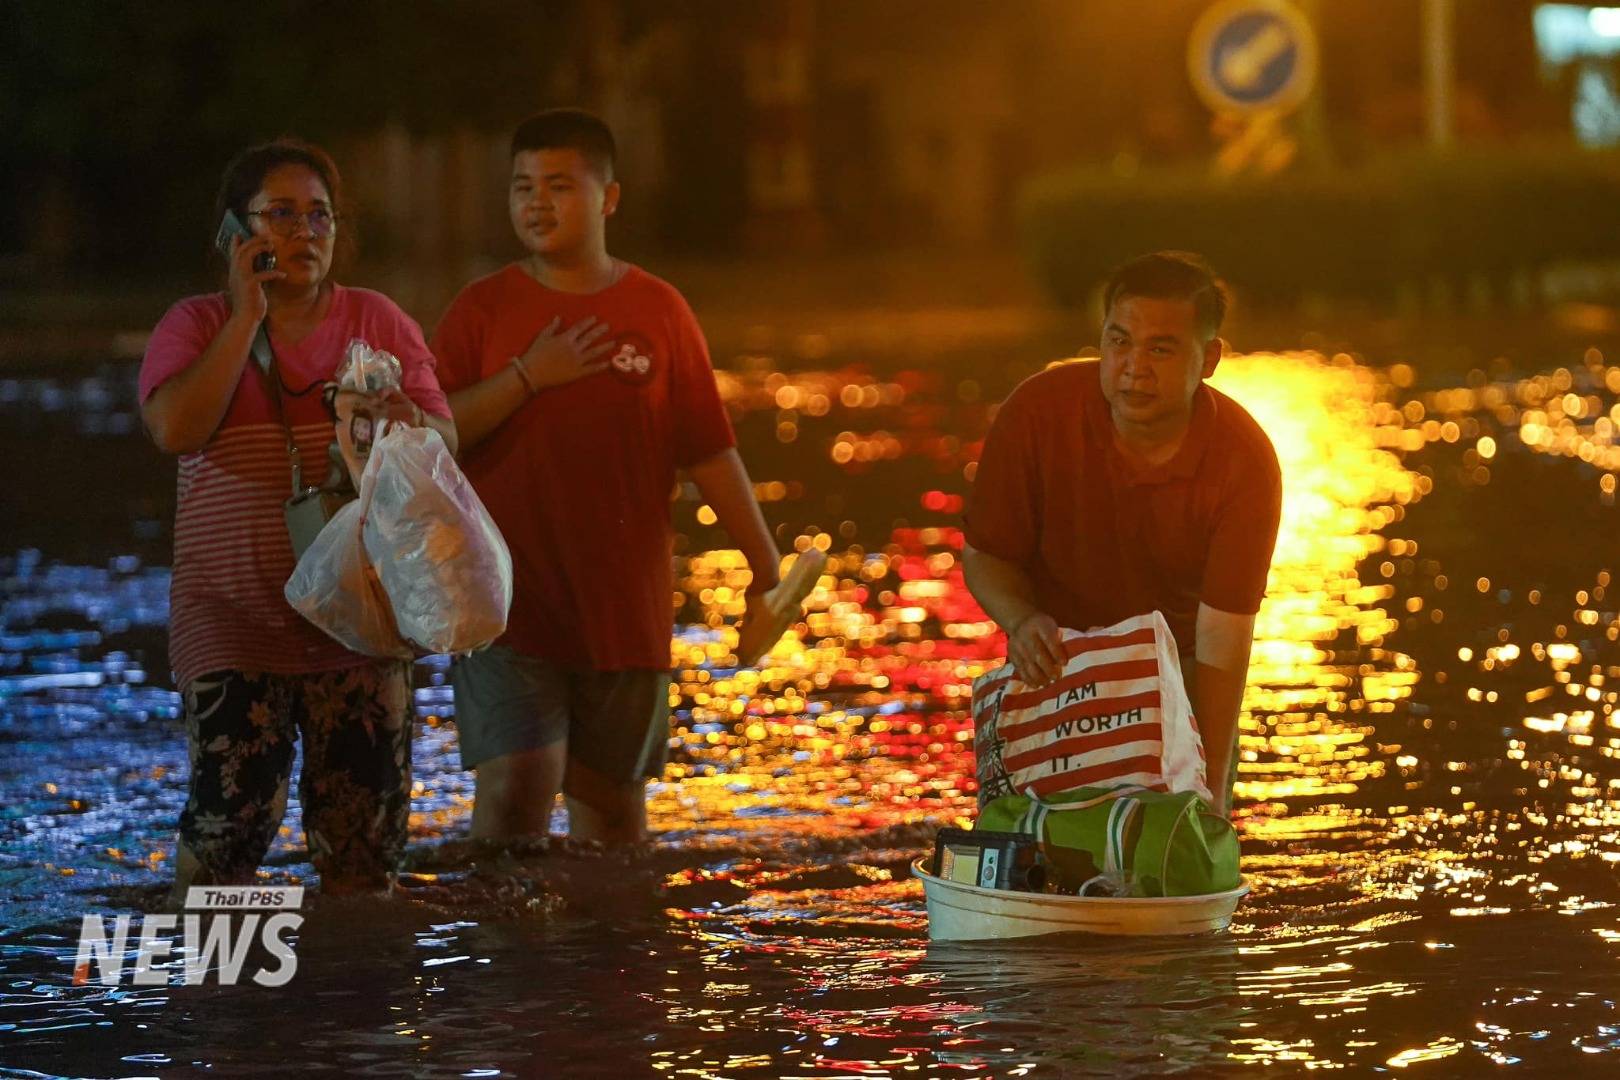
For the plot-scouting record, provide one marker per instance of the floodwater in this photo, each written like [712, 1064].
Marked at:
[1429, 797]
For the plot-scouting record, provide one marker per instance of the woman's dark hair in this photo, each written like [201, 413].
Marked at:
[244, 176]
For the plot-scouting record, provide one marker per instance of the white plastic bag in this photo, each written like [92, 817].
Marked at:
[367, 371]
[1118, 716]
[440, 558]
[335, 587]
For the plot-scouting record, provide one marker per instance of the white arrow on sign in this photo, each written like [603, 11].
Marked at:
[1242, 67]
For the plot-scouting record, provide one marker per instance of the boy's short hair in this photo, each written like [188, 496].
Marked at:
[569, 129]
[1171, 275]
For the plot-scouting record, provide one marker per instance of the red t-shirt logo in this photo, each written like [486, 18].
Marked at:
[633, 362]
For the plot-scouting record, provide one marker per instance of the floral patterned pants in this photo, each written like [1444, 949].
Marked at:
[356, 782]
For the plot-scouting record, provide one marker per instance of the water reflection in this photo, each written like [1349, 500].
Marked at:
[1427, 788]
[1320, 671]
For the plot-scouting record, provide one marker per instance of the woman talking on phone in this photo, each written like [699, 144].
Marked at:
[233, 383]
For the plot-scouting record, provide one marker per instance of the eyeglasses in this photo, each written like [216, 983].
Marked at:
[284, 220]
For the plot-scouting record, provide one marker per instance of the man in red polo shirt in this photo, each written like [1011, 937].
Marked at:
[1125, 485]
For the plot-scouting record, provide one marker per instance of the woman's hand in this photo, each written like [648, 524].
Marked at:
[361, 418]
[247, 284]
[393, 405]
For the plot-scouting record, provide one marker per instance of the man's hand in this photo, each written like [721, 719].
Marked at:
[554, 358]
[1035, 646]
[1002, 587]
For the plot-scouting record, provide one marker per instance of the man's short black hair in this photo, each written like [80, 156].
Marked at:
[569, 129]
[1171, 275]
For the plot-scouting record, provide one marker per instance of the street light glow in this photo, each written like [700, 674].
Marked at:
[1604, 21]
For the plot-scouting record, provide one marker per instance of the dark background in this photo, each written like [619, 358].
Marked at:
[918, 121]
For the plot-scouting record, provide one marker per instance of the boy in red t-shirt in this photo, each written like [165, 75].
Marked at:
[580, 383]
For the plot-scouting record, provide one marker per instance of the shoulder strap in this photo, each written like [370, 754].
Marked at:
[1116, 860]
[265, 357]
[1086, 802]
[1115, 874]
[261, 349]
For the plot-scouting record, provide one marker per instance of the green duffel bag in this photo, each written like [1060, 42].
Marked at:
[1124, 842]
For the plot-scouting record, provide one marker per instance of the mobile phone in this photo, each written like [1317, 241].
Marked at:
[230, 225]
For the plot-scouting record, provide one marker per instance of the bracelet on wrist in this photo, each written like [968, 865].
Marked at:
[522, 373]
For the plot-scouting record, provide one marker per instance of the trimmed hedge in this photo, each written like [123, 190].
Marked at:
[1400, 225]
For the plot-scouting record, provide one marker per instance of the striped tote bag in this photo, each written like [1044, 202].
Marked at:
[1117, 717]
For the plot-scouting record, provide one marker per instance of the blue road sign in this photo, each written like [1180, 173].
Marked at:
[1250, 56]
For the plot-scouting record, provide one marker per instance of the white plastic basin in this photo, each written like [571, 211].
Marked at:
[958, 912]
